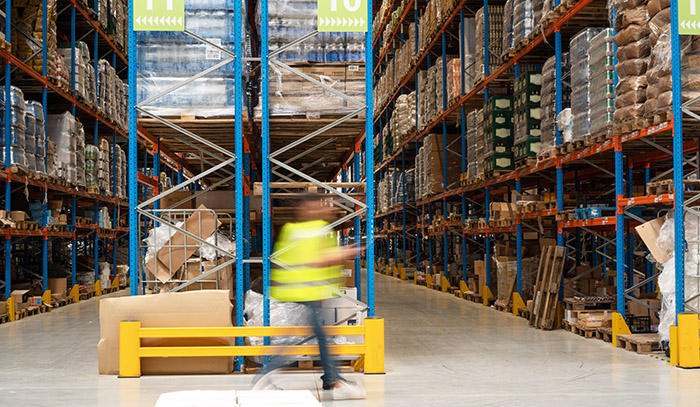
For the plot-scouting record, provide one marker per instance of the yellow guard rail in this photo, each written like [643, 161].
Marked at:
[685, 341]
[131, 351]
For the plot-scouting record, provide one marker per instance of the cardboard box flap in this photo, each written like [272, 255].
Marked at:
[649, 233]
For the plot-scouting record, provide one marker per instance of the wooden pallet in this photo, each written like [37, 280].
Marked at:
[573, 304]
[524, 313]
[599, 138]
[604, 333]
[578, 329]
[640, 343]
[525, 162]
[86, 296]
[4, 318]
[660, 187]
[547, 284]
[63, 302]
[501, 307]
[27, 225]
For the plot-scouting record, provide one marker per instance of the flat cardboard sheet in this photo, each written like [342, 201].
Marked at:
[649, 232]
[208, 308]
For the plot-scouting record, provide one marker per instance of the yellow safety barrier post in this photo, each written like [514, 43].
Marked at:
[115, 283]
[688, 341]
[428, 280]
[444, 284]
[46, 297]
[11, 308]
[75, 293]
[129, 347]
[394, 271]
[673, 345]
[517, 303]
[487, 295]
[462, 288]
[374, 346]
[98, 287]
[402, 273]
[371, 352]
[415, 277]
[619, 327]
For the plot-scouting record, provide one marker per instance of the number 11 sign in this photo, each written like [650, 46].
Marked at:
[342, 15]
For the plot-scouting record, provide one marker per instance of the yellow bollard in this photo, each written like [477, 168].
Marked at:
[688, 341]
[444, 284]
[462, 288]
[98, 287]
[12, 309]
[402, 273]
[619, 327]
[75, 293]
[673, 345]
[374, 346]
[46, 297]
[129, 343]
[517, 303]
[487, 295]
[428, 280]
[115, 283]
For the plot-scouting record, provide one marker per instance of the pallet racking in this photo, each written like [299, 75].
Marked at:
[649, 151]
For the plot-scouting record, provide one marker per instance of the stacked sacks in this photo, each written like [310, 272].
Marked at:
[633, 55]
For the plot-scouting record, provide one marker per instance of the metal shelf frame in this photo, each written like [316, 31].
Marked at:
[100, 241]
[610, 238]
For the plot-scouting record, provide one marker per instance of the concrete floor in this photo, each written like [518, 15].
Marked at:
[440, 350]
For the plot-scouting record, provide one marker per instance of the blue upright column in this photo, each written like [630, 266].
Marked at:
[619, 230]
[8, 161]
[238, 130]
[133, 159]
[445, 244]
[463, 139]
[356, 170]
[487, 240]
[266, 202]
[44, 101]
[519, 246]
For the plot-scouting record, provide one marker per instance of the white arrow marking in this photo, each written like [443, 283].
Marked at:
[333, 20]
[327, 21]
[150, 20]
[356, 22]
[162, 20]
[362, 21]
[693, 24]
[179, 20]
[344, 22]
[138, 20]
[683, 24]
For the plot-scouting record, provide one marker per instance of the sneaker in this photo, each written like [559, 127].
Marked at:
[346, 390]
[265, 383]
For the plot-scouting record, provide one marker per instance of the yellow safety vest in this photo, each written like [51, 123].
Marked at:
[297, 282]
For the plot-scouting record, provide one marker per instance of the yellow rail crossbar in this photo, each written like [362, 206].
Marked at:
[131, 351]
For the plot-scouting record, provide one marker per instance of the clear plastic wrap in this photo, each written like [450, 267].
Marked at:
[659, 72]
[495, 33]
[63, 130]
[626, 4]
[660, 22]
[632, 67]
[631, 33]
[626, 17]
[508, 41]
[523, 20]
[565, 124]
[654, 6]
[635, 50]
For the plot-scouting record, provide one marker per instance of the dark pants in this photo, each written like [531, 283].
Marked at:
[330, 372]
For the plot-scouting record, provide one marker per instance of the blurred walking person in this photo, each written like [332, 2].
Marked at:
[306, 270]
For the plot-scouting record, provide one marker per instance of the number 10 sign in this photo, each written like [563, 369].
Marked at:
[342, 15]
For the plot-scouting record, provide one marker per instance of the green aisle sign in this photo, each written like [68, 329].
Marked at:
[159, 15]
[342, 15]
[688, 17]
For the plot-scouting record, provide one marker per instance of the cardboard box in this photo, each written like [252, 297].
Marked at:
[595, 319]
[19, 216]
[175, 197]
[3, 307]
[179, 248]
[58, 286]
[21, 298]
[210, 308]
[649, 233]
[193, 269]
[222, 199]
[480, 271]
[640, 310]
[348, 273]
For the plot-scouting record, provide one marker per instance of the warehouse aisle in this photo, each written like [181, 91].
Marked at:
[440, 351]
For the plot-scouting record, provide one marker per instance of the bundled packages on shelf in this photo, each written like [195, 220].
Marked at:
[527, 115]
[430, 170]
[119, 23]
[403, 119]
[18, 126]
[580, 103]
[293, 95]
[391, 188]
[84, 72]
[498, 134]
[112, 94]
[34, 132]
[92, 154]
[601, 86]
[523, 20]
[508, 37]
[385, 192]
[472, 132]
[468, 46]
[633, 55]
[104, 167]
[80, 155]
[167, 58]
[494, 39]
[27, 34]
[549, 100]
[65, 132]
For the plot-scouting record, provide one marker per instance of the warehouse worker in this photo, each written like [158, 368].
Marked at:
[306, 270]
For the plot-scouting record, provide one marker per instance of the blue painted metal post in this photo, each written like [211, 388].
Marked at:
[519, 244]
[356, 170]
[619, 230]
[344, 178]
[463, 139]
[44, 101]
[678, 212]
[487, 240]
[246, 215]
[430, 240]
[133, 160]
[8, 161]
[648, 267]
[369, 162]
[238, 129]
[74, 245]
[629, 269]
[558, 107]
[445, 244]
[266, 202]
[403, 209]
[179, 168]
